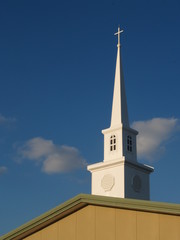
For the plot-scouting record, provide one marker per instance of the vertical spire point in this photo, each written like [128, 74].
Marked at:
[119, 108]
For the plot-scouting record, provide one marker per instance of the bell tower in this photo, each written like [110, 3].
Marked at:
[120, 175]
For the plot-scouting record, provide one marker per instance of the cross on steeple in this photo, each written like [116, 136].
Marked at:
[118, 33]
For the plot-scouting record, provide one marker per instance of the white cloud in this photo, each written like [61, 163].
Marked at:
[53, 158]
[153, 135]
[2, 170]
[36, 148]
[5, 120]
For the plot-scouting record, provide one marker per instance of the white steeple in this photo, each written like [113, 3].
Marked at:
[120, 175]
[119, 107]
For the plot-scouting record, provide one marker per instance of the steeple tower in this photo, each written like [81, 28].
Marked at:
[120, 175]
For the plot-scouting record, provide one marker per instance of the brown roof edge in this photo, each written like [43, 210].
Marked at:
[83, 200]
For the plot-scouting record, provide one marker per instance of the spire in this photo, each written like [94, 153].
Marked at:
[119, 108]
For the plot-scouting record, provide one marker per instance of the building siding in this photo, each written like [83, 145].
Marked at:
[104, 223]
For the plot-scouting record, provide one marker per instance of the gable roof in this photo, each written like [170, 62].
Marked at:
[83, 200]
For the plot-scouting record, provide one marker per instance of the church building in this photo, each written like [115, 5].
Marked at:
[119, 206]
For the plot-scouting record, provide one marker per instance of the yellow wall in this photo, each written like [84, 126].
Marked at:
[103, 223]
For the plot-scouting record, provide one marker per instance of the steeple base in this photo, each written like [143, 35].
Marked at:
[120, 178]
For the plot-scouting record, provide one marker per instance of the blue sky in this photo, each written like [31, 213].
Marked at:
[57, 64]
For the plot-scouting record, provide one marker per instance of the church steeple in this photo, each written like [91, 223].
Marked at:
[120, 175]
[122, 143]
[119, 107]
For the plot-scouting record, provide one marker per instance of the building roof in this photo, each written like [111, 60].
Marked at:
[83, 200]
